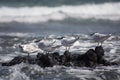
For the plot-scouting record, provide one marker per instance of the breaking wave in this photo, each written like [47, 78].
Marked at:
[34, 14]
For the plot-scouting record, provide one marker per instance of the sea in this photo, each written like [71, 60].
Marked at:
[23, 22]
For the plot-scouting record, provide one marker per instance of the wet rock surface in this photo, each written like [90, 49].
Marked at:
[91, 58]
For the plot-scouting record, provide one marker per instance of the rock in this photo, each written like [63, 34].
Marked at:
[20, 59]
[44, 60]
[90, 59]
[56, 58]
[16, 60]
[100, 55]
[66, 59]
[99, 51]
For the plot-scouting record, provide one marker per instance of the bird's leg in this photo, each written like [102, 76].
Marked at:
[68, 48]
[98, 44]
[45, 52]
[28, 55]
[27, 58]
[101, 43]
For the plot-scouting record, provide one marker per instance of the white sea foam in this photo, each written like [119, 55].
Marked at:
[5, 58]
[18, 34]
[105, 11]
[17, 74]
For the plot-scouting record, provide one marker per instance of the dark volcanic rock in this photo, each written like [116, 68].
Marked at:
[16, 60]
[90, 59]
[66, 59]
[100, 54]
[44, 60]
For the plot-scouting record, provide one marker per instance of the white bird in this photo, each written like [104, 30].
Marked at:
[48, 46]
[100, 38]
[29, 48]
[68, 42]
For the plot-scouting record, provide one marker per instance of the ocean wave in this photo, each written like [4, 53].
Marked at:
[104, 11]
[17, 34]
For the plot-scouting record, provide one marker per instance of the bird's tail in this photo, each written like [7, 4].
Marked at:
[52, 43]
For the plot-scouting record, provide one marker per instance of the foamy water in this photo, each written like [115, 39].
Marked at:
[9, 45]
[104, 11]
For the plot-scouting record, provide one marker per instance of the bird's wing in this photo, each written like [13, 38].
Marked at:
[30, 48]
